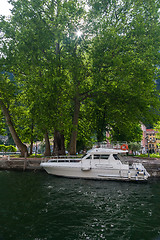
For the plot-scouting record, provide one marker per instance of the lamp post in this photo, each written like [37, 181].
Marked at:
[147, 145]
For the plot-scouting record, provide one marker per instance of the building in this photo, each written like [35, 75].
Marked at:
[152, 142]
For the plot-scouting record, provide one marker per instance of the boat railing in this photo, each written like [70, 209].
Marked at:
[62, 158]
[113, 145]
[65, 160]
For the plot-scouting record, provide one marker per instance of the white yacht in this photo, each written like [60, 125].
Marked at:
[98, 163]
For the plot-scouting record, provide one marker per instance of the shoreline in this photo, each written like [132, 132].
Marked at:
[33, 164]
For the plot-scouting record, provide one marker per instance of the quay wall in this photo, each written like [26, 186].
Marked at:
[151, 165]
[22, 164]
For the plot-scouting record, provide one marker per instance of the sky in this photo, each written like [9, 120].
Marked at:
[4, 7]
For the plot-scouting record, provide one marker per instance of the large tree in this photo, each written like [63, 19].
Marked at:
[36, 51]
[110, 67]
[125, 59]
[8, 95]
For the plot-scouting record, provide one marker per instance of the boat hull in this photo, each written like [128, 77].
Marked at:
[99, 164]
[76, 171]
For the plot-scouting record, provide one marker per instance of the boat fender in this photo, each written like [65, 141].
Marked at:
[136, 177]
[124, 147]
[85, 168]
[129, 174]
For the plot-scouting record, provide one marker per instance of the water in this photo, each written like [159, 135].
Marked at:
[37, 206]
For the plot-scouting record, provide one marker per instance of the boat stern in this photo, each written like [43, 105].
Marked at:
[140, 171]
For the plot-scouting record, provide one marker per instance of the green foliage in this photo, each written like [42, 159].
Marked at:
[153, 155]
[2, 124]
[37, 156]
[126, 131]
[8, 88]
[157, 129]
[9, 148]
[2, 147]
[105, 78]
[134, 146]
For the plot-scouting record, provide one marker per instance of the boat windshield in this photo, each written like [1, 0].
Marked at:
[116, 157]
[89, 157]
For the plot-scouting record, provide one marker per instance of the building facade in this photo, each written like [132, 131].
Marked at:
[152, 141]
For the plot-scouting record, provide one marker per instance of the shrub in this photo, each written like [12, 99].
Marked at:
[9, 148]
[134, 146]
[2, 148]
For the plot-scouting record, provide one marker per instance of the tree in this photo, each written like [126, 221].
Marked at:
[2, 124]
[134, 146]
[110, 67]
[125, 57]
[5, 100]
[38, 40]
[157, 129]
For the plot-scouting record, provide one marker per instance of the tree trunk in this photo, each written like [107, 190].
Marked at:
[47, 145]
[22, 147]
[73, 140]
[59, 148]
[31, 147]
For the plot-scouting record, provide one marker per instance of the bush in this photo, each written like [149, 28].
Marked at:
[37, 155]
[153, 155]
[134, 146]
[2, 148]
[9, 148]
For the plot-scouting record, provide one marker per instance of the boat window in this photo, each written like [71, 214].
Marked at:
[116, 157]
[89, 157]
[96, 156]
[105, 156]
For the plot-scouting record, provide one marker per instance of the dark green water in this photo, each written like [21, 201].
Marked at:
[37, 206]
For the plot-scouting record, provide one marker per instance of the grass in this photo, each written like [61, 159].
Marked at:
[36, 156]
[153, 155]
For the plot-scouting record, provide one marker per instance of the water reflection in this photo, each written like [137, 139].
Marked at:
[39, 206]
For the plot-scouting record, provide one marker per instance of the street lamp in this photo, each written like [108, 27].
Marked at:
[148, 145]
